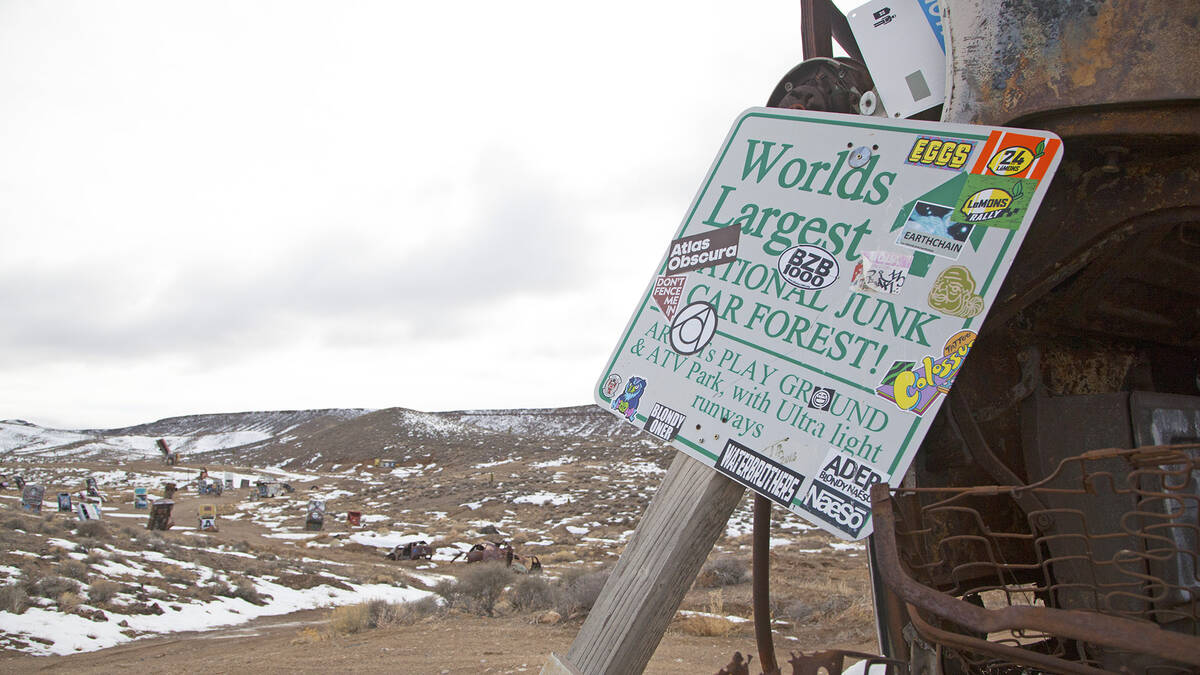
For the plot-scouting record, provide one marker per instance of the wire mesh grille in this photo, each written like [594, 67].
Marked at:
[1109, 531]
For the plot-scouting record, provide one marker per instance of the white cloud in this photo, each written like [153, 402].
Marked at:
[264, 205]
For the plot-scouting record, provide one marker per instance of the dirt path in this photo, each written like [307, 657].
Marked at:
[456, 644]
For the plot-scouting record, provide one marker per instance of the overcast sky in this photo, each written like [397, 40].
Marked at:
[228, 206]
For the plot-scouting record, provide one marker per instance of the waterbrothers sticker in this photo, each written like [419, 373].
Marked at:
[821, 296]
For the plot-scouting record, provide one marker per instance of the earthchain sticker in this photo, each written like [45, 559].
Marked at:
[820, 298]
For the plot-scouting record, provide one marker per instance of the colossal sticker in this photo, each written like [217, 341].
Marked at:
[953, 293]
[916, 388]
[808, 267]
[941, 153]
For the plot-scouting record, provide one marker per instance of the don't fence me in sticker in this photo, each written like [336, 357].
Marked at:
[820, 298]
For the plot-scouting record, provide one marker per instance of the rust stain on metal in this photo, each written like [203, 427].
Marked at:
[1094, 53]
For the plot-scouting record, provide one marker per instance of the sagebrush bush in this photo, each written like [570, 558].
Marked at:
[219, 586]
[245, 589]
[705, 626]
[385, 613]
[52, 587]
[449, 591]
[13, 598]
[68, 602]
[478, 589]
[349, 619]
[581, 592]
[74, 569]
[532, 593]
[49, 525]
[93, 529]
[726, 571]
[173, 574]
[103, 590]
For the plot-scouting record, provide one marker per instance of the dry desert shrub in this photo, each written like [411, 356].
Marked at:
[74, 569]
[309, 636]
[532, 593]
[726, 571]
[701, 625]
[93, 529]
[560, 557]
[57, 553]
[173, 574]
[68, 602]
[581, 589]
[349, 619]
[13, 598]
[52, 587]
[103, 590]
[245, 589]
[50, 525]
[482, 584]
[385, 613]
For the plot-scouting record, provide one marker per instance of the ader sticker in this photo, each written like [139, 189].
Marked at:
[953, 293]
[849, 475]
[627, 403]
[916, 388]
[931, 228]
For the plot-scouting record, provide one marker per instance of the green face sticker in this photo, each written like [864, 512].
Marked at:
[953, 293]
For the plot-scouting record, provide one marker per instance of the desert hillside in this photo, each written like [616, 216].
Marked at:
[563, 486]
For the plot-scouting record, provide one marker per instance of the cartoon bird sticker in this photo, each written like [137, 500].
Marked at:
[627, 402]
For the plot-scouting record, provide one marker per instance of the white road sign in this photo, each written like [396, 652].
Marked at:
[820, 297]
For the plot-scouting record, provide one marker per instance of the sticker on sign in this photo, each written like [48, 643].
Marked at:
[820, 298]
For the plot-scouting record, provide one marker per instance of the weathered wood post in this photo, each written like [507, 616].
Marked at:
[659, 564]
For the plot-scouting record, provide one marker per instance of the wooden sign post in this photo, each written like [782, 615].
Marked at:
[661, 561]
